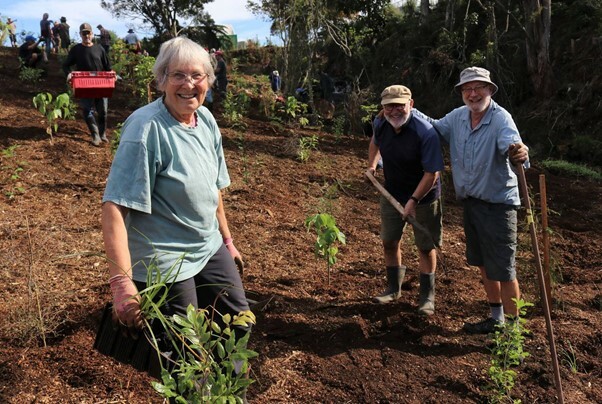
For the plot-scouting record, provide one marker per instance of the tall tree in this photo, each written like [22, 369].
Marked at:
[163, 16]
[205, 31]
[537, 27]
[306, 25]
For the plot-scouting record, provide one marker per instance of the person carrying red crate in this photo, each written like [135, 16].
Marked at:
[87, 56]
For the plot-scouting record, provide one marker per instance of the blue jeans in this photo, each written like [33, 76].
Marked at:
[101, 106]
[47, 42]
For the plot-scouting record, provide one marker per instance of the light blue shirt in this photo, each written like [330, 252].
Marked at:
[169, 176]
[479, 157]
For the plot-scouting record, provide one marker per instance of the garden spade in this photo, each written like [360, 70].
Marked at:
[410, 219]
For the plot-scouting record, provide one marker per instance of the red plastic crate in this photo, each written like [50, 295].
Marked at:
[93, 84]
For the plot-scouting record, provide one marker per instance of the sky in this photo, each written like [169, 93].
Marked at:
[28, 14]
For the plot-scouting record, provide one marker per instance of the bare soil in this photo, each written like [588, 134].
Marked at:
[317, 342]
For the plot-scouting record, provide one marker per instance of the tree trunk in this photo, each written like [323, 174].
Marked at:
[424, 8]
[537, 26]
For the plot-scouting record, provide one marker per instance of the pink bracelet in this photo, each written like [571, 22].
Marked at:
[228, 241]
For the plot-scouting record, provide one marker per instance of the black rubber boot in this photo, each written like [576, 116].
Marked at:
[395, 277]
[426, 304]
[91, 122]
[102, 126]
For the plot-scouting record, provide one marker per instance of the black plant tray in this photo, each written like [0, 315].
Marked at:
[138, 353]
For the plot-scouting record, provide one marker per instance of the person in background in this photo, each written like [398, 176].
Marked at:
[275, 81]
[87, 56]
[132, 41]
[12, 32]
[65, 36]
[105, 38]
[173, 213]
[29, 52]
[56, 37]
[213, 58]
[484, 147]
[411, 156]
[221, 73]
[46, 35]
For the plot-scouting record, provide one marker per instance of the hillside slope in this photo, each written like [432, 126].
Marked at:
[316, 342]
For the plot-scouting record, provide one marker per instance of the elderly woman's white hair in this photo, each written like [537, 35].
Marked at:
[181, 50]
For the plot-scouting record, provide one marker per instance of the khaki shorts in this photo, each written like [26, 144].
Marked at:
[429, 216]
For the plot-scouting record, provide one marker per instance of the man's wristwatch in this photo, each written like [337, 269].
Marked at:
[415, 199]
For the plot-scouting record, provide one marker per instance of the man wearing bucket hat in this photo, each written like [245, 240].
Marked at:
[411, 155]
[87, 56]
[484, 146]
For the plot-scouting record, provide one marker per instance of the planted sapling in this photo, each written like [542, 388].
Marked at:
[328, 235]
[53, 109]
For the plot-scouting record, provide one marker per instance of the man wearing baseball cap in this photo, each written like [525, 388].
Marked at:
[86, 56]
[411, 155]
[105, 38]
[29, 52]
[484, 146]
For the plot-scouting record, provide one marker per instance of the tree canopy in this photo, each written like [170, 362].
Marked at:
[163, 16]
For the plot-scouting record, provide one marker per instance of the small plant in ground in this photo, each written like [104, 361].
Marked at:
[303, 121]
[569, 358]
[213, 366]
[507, 351]
[235, 106]
[53, 109]
[293, 107]
[328, 234]
[14, 172]
[338, 127]
[30, 74]
[306, 145]
[240, 141]
[208, 362]
[10, 151]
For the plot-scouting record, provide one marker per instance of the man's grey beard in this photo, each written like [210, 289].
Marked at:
[397, 123]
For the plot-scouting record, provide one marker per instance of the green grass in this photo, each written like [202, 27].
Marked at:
[572, 169]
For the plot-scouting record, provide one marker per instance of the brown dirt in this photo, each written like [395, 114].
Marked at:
[316, 342]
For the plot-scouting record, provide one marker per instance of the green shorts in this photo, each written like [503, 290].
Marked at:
[428, 215]
[490, 230]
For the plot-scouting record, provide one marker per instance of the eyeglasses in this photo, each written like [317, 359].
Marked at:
[391, 107]
[179, 78]
[476, 89]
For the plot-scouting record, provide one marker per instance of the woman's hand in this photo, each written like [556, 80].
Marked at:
[235, 255]
[126, 305]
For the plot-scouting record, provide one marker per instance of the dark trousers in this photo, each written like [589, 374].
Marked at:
[100, 105]
[217, 287]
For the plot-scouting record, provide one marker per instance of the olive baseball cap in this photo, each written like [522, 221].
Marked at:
[395, 95]
[85, 27]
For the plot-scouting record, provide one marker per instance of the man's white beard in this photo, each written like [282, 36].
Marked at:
[397, 123]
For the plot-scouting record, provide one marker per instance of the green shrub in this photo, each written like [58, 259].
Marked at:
[30, 74]
[563, 167]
